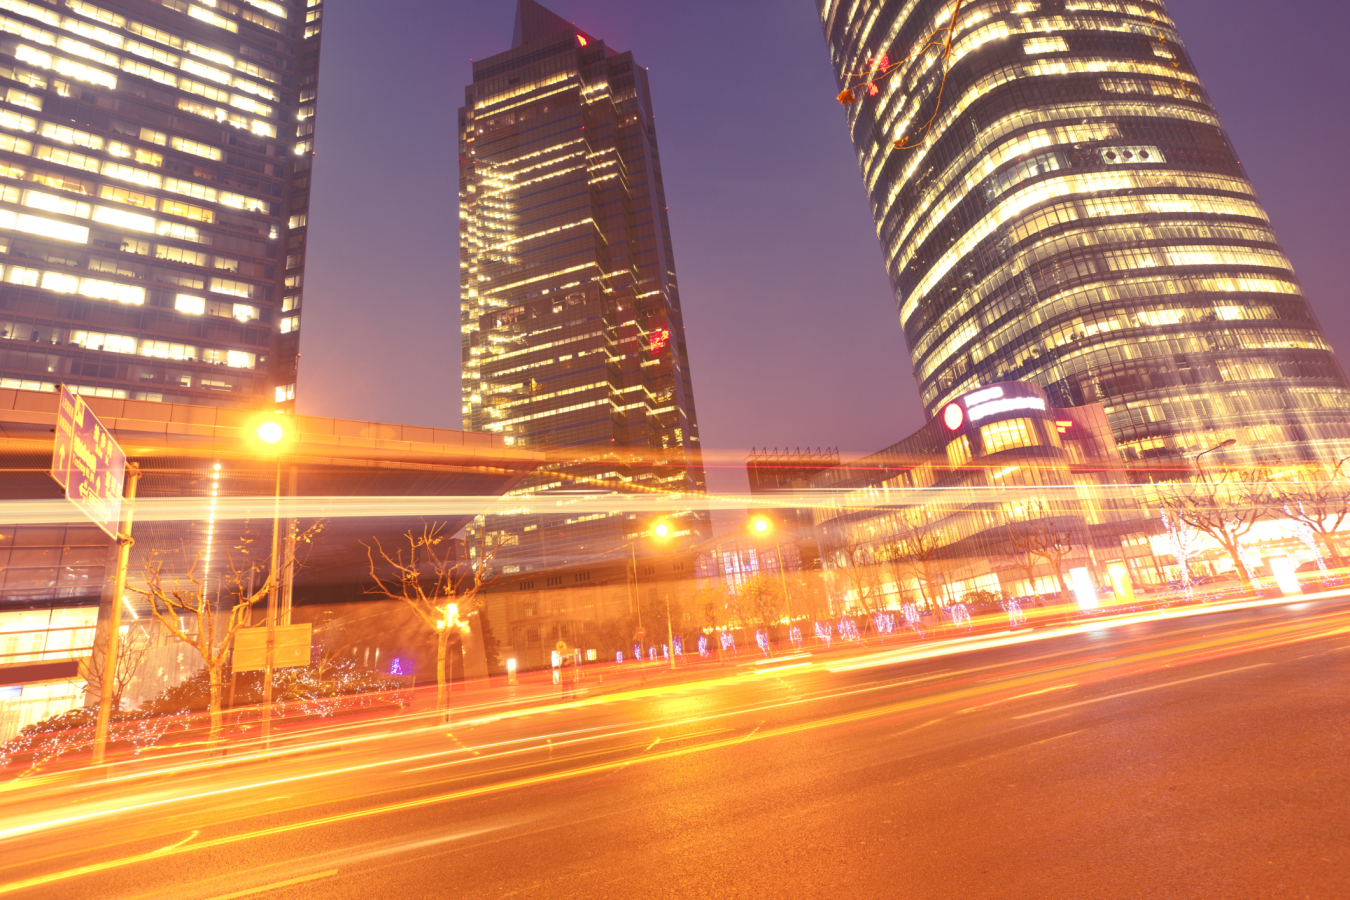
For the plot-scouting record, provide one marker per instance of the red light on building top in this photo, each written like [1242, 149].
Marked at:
[952, 417]
[581, 41]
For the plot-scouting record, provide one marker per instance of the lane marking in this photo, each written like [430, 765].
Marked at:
[451, 796]
[1051, 689]
[1141, 690]
[276, 884]
[179, 844]
[915, 728]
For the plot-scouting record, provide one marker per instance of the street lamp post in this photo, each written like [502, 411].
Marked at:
[271, 433]
[660, 531]
[762, 526]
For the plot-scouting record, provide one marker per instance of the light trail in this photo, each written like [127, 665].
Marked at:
[1242, 637]
[178, 509]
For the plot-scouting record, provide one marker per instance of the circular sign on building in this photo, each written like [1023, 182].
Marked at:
[952, 416]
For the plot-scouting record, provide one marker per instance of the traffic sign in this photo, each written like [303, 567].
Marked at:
[88, 463]
[291, 647]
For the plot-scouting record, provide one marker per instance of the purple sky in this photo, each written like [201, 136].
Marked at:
[793, 335]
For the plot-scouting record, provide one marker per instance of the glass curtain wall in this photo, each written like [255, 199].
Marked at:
[1077, 217]
[572, 336]
[154, 188]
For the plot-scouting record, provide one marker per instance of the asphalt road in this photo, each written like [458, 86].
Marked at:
[1177, 756]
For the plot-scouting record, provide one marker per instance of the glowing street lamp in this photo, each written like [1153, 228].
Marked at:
[660, 530]
[272, 434]
[763, 525]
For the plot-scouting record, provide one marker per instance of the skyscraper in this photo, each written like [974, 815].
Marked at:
[571, 330]
[1076, 217]
[155, 159]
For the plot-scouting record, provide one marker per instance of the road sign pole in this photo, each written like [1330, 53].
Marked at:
[111, 645]
[272, 597]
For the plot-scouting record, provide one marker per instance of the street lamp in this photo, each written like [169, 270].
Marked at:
[763, 525]
[660, 531]
[272, 433]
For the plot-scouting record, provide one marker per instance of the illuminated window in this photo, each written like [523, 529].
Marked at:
[224, 262]
[70, 158]
[1007, 435]
[240, 359]
[245, 313]
[209, 54]
[190, 189]
[23, 98]
[97, 13]
[204, 15]
[181, 232]
[15, 145]
[289, 324]
[154, 34]
[60, 282]
[56, 204]
[958, 452]
[167, 350]
[122, 195]
[111, 290]
[20, 275]
[299, 220]
[195, 148]
[123, 219]
[132, 174]
[239, 201]
[232, 288]
[202, 109]
[109, 343]
[177, 254]
[188, 304]
[150, 136]
[285, 392]
[68, 135]
[186, 210]
[250, 16]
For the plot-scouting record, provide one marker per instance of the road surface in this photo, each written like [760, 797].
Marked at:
[1155, 756]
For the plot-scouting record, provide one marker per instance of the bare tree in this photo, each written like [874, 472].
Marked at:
[1318, 499]
[425, 574]
[916, 553]
[857, 564]
[181, 600]
[1225, 505]
[132, 648]
[1040, 535]
[183, 605]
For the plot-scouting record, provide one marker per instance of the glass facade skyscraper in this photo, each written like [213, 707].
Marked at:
[571, 330]
[155, 167]
[1077, 217]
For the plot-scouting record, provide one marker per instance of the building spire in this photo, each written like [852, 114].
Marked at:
[534, 23]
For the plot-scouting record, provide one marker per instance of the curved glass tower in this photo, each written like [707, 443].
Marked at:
[1076, 217]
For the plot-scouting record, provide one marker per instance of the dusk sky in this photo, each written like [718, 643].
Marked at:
[792, 330]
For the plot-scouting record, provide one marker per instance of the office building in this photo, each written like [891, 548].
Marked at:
[155, 164]
[1076, 216]
[967, 503]
[572, 335]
